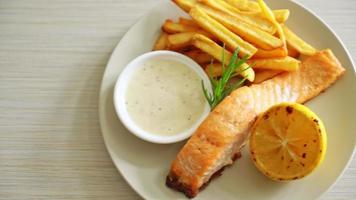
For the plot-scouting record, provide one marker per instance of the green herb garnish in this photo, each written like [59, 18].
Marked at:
[221, 86]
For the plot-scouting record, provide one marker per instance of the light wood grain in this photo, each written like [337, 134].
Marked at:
[52, 57]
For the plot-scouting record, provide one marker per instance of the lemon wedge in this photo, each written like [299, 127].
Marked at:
[287, 142]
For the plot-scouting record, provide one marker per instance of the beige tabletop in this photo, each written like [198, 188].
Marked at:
[52, 57]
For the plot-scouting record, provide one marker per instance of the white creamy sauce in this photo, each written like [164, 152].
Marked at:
[165, 97]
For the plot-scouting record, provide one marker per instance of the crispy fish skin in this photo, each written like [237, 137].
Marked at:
[224, 132]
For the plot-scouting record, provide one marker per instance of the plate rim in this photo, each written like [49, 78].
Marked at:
[101, 111]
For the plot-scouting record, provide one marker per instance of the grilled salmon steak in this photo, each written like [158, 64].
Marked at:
[218, 140]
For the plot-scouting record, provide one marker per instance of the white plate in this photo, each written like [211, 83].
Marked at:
[145, 165]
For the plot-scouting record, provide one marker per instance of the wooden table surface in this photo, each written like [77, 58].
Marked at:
[52, 57]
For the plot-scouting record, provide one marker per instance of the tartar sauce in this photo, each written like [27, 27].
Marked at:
[165, 97]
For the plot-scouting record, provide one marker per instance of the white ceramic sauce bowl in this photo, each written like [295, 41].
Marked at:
[122, 85]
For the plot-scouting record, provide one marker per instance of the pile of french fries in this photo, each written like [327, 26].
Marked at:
[218, 27]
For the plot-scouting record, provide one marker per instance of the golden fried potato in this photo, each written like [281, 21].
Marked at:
[267, 13]
[297, 43]
[265, 74]
[220, 54]
[162, 42]
[245, 5]
[171, 27]
[231, 40]
[216, 70]
[284, 64]
[249, 33]
[210, 47]
[188, 22]
[213, 69]
[275, 53]
[281, 15]
[185, 5]
[254, 20]
[199, 56]
[292, 52]
[179, 41]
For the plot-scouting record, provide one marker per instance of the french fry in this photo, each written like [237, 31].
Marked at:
[297, 43]
[185, 5]
[171, 27]
[254, 20]
[217, 52]
[279, 52]
[267, 12]
[216, 69]
[231, 40]
[188, 22]
[246, 31]
[247, 72]
[245, 5]
[275, 53]
[251, 6]
[281, 15]
[285, 64]
[213, 69]
[199, 56]
[179, 41]
[220, 5]
[265, 74]
[162, 42]
[292, 52]
[210, 47]
[207, 34]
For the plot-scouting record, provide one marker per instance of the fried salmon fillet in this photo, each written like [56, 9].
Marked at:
[218, 140]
